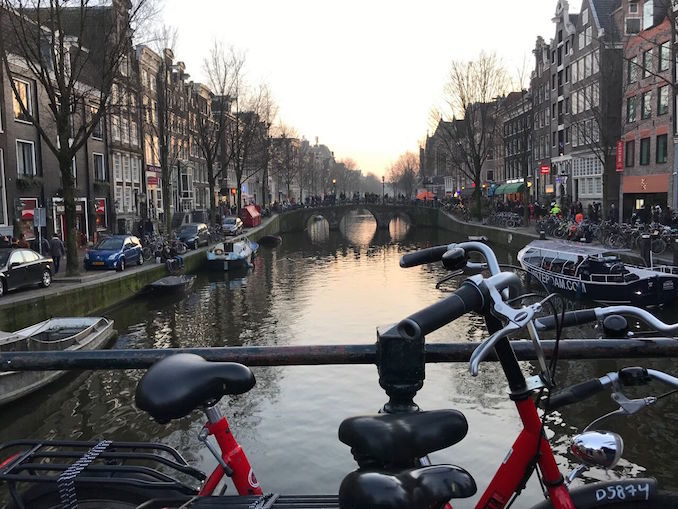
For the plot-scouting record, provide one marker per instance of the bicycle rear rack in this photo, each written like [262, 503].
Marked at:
[77, 463]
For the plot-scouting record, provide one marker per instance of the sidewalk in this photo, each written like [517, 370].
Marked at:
[62, 283]
[665, 258]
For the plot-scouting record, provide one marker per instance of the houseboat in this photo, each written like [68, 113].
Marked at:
[597, 273]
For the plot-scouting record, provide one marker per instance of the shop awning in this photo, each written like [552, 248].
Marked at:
[646, 183]
[517, 187]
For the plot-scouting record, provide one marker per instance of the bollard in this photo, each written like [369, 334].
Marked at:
[542, 235]
[675, 252]
[645, 244]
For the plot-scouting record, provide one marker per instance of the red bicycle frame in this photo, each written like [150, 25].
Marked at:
[234, 457]
[509, 476]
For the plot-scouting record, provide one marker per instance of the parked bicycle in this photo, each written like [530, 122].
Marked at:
[390, 449]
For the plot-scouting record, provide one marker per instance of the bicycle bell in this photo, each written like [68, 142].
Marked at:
[455, 259]
[598, 448]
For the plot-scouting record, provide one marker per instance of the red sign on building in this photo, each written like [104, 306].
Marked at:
[620, 156]
[545, 169]
[152, 180]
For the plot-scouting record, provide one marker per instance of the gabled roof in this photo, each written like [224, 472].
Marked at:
[601, 13]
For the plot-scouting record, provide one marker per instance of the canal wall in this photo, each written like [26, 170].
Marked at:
[88, 297]
[512, 239]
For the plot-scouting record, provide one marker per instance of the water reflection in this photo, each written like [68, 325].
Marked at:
[323, 287]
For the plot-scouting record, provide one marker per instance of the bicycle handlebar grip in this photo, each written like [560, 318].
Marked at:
[575, 393]
[571, 318]
[428, 255]
[467, 298]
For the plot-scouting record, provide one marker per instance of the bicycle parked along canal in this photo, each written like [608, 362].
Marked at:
[391, 449]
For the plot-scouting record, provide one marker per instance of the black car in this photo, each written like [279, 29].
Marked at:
[194, 235]
[23, 267]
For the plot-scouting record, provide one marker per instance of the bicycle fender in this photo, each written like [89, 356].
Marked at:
[605, 493]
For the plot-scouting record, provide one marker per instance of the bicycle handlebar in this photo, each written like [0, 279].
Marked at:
[571, 318]
[423, 256]
[591, 315]
[467, 298]
[435, 254]
[582, 391]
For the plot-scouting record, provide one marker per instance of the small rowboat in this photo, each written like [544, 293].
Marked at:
[55, 335]
[173, 284]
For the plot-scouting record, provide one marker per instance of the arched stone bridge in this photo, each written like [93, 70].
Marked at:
[297, 219]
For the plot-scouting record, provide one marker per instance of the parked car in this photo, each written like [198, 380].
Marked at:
[114, 252]
[194, 235]
[232, 225]
[23, 267]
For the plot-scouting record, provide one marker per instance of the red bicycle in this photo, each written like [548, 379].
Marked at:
[375, 488]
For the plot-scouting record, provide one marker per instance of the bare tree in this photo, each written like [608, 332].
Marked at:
[286, 155]
[246, 135]
[405, 171]
[223, 69]
[73, 52]
[471, 94]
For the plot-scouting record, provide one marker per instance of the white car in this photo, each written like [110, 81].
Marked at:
[232, 225]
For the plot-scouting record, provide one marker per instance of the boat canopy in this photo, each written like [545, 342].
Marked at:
[562, 246]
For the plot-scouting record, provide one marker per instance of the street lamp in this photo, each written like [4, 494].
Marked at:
[382, 189]
[334, 186]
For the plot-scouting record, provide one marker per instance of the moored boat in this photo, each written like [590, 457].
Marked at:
[55, 334]
[270, 240]
[173, 284]
[598, 274]
[232, 255]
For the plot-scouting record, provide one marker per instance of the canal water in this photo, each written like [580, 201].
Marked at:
[322, 287]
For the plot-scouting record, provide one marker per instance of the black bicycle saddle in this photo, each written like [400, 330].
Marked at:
[175, 386]
[397, 439]
[418, 488]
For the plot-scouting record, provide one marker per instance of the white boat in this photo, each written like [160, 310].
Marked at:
[232, 255]
[53, 335]
[597, 273]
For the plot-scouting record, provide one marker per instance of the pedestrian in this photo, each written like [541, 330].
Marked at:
[22, 241]
[56, 249]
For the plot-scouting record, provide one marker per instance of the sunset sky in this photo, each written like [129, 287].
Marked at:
[362, 76]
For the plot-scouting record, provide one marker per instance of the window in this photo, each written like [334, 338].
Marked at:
[98, 131]
[630, 153]
[595, 63]
[134, 134]
[589, 35]
[117, 167]
[632, 70]
[124, 128]
[125, 168]
[632, 26]
[99, 167]
[584, 16]
[663, 100]
[633, 7]
[645, 151]
[648, 14]
[24, 90]
[25, 158]
[575, 74]
[136, 170]
[664, 56]
[646, 105]
[115, 127]
[587, 65]
[631, 109]
[647, 63]
[661, 148]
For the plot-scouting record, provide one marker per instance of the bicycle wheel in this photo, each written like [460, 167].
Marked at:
[658, 246]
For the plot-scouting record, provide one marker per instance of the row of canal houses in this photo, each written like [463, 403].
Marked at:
[117, 172]
[598, 118]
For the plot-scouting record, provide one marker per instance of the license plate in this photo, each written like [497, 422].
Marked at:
[97, 263]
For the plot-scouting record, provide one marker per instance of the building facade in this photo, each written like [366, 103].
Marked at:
[647, 115]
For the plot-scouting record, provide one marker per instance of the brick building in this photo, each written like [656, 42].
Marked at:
[647, 115]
